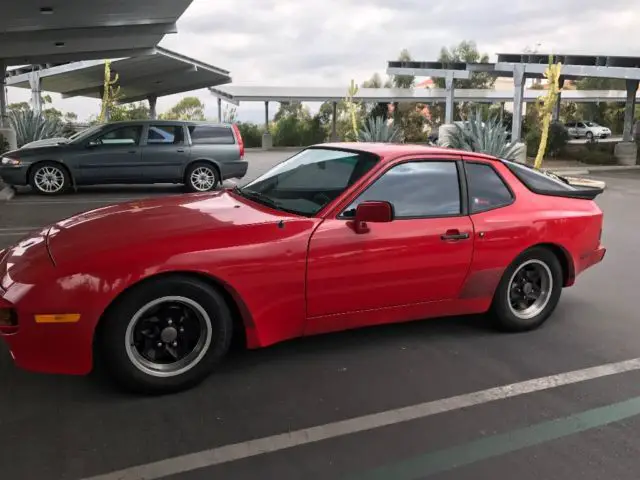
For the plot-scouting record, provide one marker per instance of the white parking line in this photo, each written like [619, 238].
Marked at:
[239, 451]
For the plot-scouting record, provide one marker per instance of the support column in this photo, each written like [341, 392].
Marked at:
[450, 88]
[4, 120]
[516, 126]
[36, 93]
[153, 100]
[502, 112]
[6, 131]
[629, 110]
[334, 133]
[555, 115]
[267, 140]
[626, 151]
[219, 110]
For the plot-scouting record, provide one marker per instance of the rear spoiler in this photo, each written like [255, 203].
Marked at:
[584, 193]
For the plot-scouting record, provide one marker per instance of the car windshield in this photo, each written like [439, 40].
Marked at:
[308, 181]
[591, 124]
[83, 134]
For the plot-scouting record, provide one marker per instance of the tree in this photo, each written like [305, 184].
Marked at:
[610, 114]
[403, 81]
[466, 52]
[130, 111]
[189, 108]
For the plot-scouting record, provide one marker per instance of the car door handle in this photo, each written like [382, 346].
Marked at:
[132, 151]
[454, 235]
[180, 150]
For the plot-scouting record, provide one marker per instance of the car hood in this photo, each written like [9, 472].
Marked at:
[154, 224]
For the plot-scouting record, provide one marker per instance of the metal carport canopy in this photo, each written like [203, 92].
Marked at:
[39, 31]
[235, 94]
[161, 73]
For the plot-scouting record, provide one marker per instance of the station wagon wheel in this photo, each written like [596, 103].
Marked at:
[529, 290]
[49, 178]
[165, 335]
[202, 177]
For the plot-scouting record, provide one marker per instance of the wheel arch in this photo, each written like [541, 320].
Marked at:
[565, 259]
[242, 318]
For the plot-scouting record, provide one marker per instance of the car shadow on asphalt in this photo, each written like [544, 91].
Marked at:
[98, 388]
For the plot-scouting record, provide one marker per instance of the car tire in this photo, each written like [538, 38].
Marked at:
[520, 277]
[589, 136]
[202, 177]
[49, 178]
[165, 335]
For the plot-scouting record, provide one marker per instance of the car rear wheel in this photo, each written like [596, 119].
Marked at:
[202, 177]
[165, 335]
[529, 291]
[49, 178]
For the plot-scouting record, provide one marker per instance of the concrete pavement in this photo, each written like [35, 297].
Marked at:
[71, 428]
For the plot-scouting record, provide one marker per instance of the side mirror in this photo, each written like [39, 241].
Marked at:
[374, 212]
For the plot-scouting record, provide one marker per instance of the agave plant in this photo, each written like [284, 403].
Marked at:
[377, 129]
[31, 126]
[485, 136]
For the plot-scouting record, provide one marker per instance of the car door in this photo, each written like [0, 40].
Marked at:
[113, 156]
[422, 256]
[581, 129]
[571, 129]
[164, 152]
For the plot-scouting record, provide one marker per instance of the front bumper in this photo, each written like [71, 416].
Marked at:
[14, 175]
[50, 348]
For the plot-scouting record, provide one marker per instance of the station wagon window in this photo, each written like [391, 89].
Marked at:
[486, 189]
[129, 135]
[211, 135]
[165, 134]
[416, 189]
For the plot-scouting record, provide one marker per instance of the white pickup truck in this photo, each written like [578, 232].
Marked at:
[588, 130]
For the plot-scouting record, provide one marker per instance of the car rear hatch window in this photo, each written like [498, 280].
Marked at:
[544, 184]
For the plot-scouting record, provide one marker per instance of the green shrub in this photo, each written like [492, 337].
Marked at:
[478, 135]
[378, 130]
[591, 153]
[251, 134]
[556, 141]
[31, 126]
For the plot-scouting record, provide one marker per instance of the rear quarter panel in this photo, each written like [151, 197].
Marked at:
[571, 225]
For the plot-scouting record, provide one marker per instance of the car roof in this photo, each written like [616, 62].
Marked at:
[212, 123]
[388, 151]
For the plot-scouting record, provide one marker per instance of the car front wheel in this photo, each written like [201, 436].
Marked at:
[529, 291]
[165, 335]
[49, 178]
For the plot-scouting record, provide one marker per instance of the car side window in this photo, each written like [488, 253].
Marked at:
[486, 188]
[211, 135]
[129, 135]
[165, 134]
[416, 189]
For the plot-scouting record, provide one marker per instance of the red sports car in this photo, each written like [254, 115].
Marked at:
[338, 236]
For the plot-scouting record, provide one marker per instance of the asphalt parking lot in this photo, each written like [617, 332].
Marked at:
[415, 395]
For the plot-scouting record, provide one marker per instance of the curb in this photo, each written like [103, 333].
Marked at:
[594, 169]
[6, 193]
[586, 182]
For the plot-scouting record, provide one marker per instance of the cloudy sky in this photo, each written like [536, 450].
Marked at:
[328, 42]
